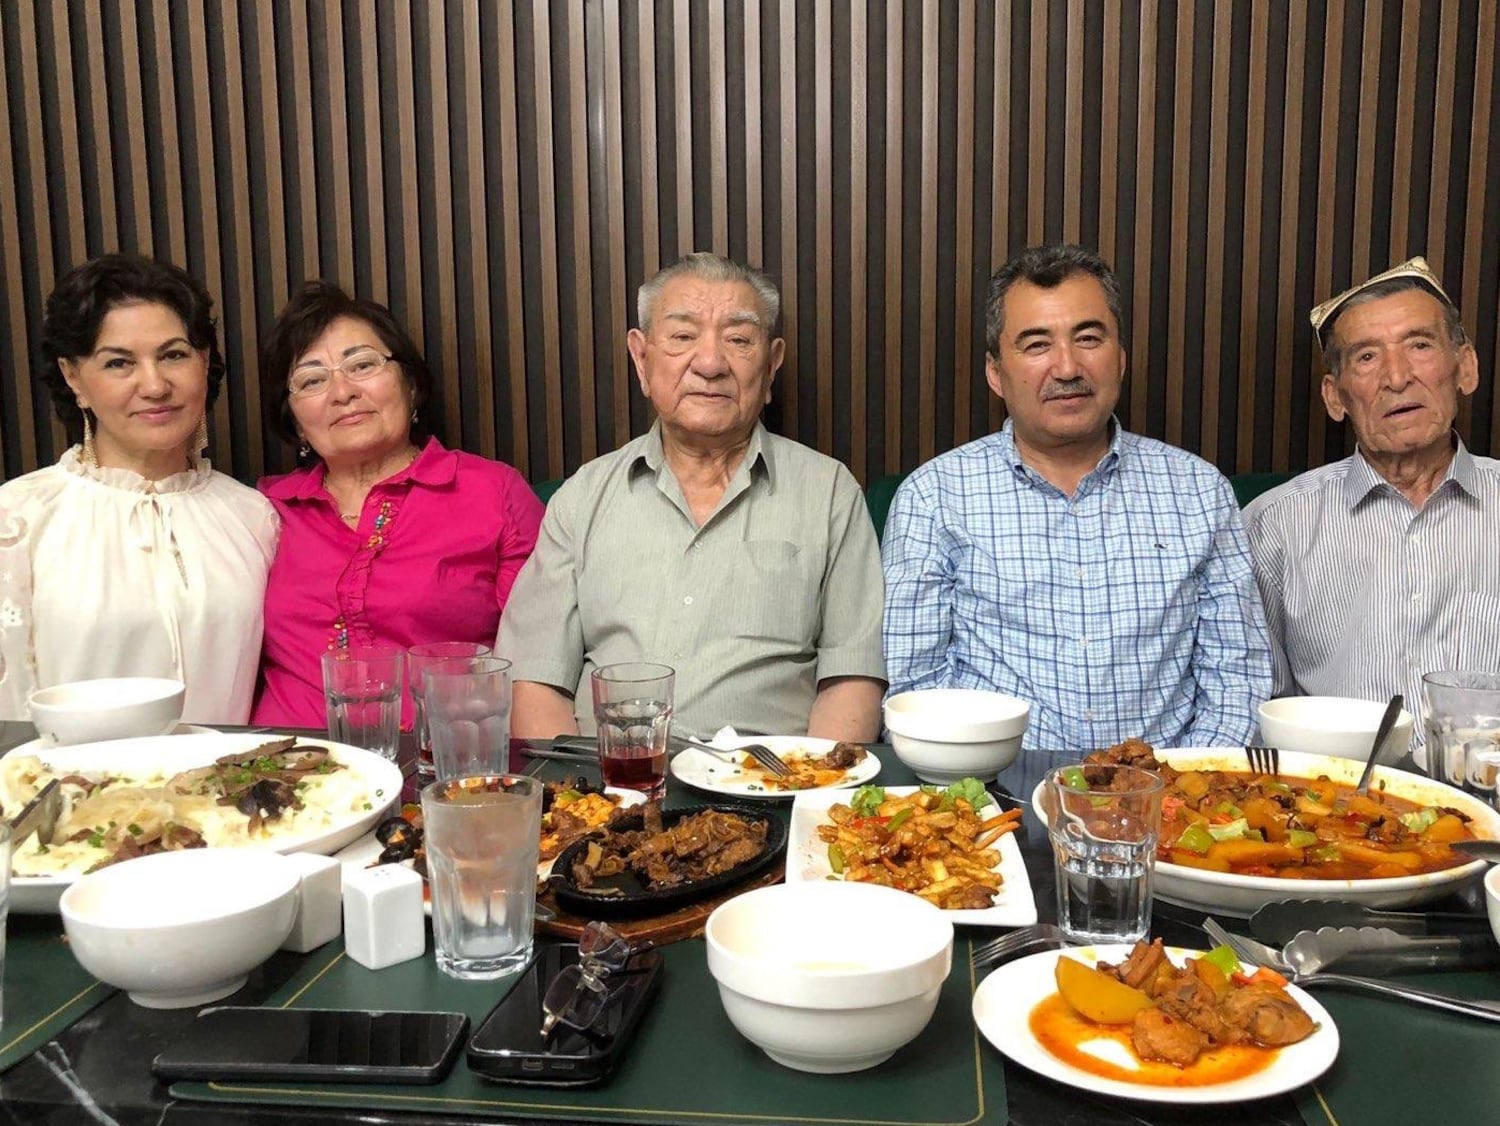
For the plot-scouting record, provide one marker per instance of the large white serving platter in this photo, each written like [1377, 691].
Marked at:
[807, 860]
[38, 895]
[703, 770]
[1002, 1010]
[1232, 894]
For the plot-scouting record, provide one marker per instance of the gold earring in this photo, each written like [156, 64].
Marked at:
[200, 440]
[90, 457]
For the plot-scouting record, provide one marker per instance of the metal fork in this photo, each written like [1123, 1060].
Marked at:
[1258, 953]
[1042, 936]
[758, 751]
[1264, 760]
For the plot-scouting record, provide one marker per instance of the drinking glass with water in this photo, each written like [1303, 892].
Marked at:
[633, 711]
[468, 717]
[1462, 721]
[483, 836]
[362, 691]
[1103, 826]
[437, 656]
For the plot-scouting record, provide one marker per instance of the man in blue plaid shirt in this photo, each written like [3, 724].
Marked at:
[1102, 576]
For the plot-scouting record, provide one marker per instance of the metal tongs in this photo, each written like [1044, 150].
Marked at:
[38, 816]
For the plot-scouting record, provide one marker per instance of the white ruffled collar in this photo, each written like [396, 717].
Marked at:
[129, 480]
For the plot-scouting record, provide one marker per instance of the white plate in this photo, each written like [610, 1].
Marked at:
[1227, 893]
[43, 744]
[807, 860]
[38, 895]
[365, 851]
[1002, 1010]
[705, 771]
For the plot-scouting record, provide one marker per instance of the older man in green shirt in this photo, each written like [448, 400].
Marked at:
[744, 560]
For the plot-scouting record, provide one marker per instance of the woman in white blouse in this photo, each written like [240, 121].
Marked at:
[131, 556]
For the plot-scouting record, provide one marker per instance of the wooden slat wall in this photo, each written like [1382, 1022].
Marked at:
[505, 173]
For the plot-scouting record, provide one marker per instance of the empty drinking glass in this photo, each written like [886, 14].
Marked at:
[468, 716]
[439, 656]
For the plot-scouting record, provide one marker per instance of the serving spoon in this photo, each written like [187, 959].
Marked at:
[1387, 721]
[1484, 850]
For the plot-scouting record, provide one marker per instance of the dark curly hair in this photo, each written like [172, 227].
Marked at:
[306, 317]
[76, 310]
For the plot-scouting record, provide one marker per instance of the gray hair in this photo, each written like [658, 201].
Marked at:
[709, 267]
[1453, 325]
[1047, 267]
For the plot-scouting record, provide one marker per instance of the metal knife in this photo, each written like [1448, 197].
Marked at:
[1379, 951]
[579, 748]
[564, 748]
[38, 816]
[1278, 923]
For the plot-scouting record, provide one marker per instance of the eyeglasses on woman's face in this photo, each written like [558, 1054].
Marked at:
[315, 379]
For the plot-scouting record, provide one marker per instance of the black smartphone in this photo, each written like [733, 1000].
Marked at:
[509, 1046]
[329, 1045]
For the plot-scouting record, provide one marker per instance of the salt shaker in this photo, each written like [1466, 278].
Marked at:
[319, 902]
[383, 918]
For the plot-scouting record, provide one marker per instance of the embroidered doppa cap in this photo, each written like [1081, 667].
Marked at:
[1415, 268]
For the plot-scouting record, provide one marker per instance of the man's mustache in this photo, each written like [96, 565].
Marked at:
[1065, 388]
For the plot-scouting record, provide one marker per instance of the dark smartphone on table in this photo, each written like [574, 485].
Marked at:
[327, 1045]
[509, 1046]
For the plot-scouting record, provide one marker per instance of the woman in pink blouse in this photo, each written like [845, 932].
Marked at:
[385, 534]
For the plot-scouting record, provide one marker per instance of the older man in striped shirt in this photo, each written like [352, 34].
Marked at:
[1383, 566]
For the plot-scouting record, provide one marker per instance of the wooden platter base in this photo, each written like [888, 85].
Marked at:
[685, 922]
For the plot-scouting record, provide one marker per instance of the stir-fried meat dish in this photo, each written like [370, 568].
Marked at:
[1291, 828]
[570, 809]
[696, 847]
[1197, 1006]
[931, 843]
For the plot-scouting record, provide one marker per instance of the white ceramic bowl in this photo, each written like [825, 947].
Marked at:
[181, 928]
[1234, 894]
[91, 711]
[829, 977]
[1331, 725]
[1492, 899]
[945, 734]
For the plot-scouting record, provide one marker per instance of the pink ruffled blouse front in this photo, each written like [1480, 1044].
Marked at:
[433, 558]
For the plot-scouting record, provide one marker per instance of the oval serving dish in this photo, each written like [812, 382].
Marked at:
[625, 895]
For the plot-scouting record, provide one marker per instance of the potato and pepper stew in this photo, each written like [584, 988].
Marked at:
[1293, 828]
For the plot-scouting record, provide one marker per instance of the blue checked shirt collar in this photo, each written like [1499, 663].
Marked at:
[1097, 478]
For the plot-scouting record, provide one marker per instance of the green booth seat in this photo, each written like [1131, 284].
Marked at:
[1248, 486]
[878, 497]
[545, 489]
